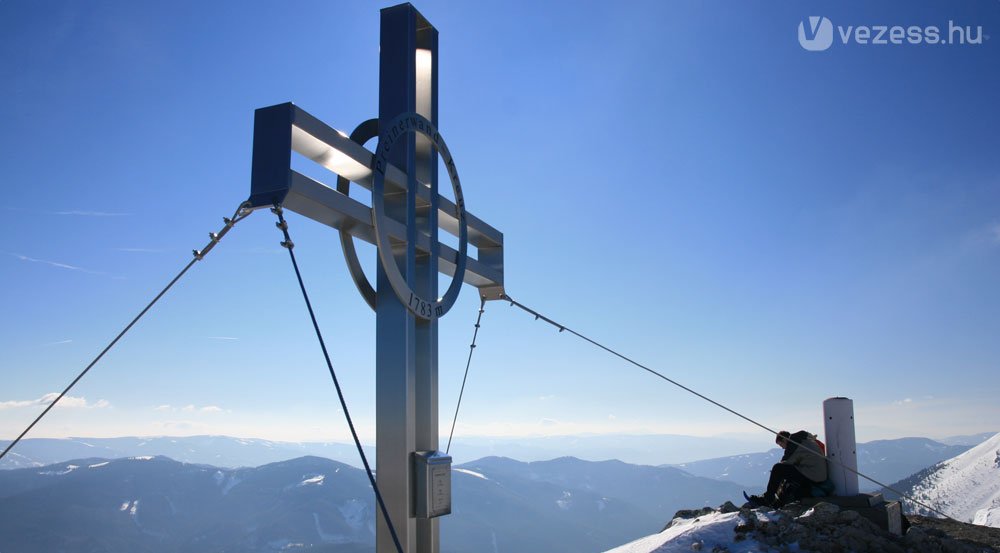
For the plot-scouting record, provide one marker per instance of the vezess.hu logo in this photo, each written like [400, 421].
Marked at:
[817, 33]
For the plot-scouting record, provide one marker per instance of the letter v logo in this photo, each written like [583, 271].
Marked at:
[816, 34]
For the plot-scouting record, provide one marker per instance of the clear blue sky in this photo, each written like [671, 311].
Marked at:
[681, 180]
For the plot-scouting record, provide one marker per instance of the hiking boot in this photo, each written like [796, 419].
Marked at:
[788, 492]
[754, 501]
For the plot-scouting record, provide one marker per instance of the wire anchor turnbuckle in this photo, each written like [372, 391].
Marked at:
[228, 222]
[283, 225]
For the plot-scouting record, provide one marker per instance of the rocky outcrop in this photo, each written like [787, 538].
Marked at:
[826, 528]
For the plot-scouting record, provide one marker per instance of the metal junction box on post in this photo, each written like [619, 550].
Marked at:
[432, 479]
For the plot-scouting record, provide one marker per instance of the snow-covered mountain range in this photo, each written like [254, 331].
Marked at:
[966, 487]
[218, 451]
[156, 505]
[225, 451]
[142, 502]
[885, 460]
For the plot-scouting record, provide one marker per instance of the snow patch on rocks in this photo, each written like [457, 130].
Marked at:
[823, 528]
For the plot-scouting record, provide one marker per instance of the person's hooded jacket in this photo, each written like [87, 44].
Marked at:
[812, 463]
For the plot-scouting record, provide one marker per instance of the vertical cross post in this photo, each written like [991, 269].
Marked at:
[407, 346]
[403, 222]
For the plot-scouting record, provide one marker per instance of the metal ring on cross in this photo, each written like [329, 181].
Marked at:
[399, 127]
[363, 133]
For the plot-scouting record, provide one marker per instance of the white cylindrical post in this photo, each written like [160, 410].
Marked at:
[841, 445]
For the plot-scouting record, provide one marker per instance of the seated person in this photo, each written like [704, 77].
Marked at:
[798, 471]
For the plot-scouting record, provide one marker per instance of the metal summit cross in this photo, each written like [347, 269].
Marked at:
[403, 223]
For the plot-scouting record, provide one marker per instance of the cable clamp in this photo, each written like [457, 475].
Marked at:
[287, 244]
[214, 237]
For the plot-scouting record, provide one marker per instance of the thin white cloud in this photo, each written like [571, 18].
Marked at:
[905, 401]
[15, 403]
[188, 408]
[211, 409]
[227, 338]
[55, 264]
[74, 212]
[163, 408]
[59, 342]
[67, 402]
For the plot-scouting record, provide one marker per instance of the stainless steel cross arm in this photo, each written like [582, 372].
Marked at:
[285, 128]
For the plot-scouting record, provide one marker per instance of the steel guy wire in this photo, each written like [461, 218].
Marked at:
[562, 328]
[290, 246]
[241, 213]
[472, 348]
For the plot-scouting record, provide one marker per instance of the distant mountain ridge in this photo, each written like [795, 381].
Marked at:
[639, 449]
[968, 439]
[656, 449]
[225, 451]
[220, 451]
[152, 504]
